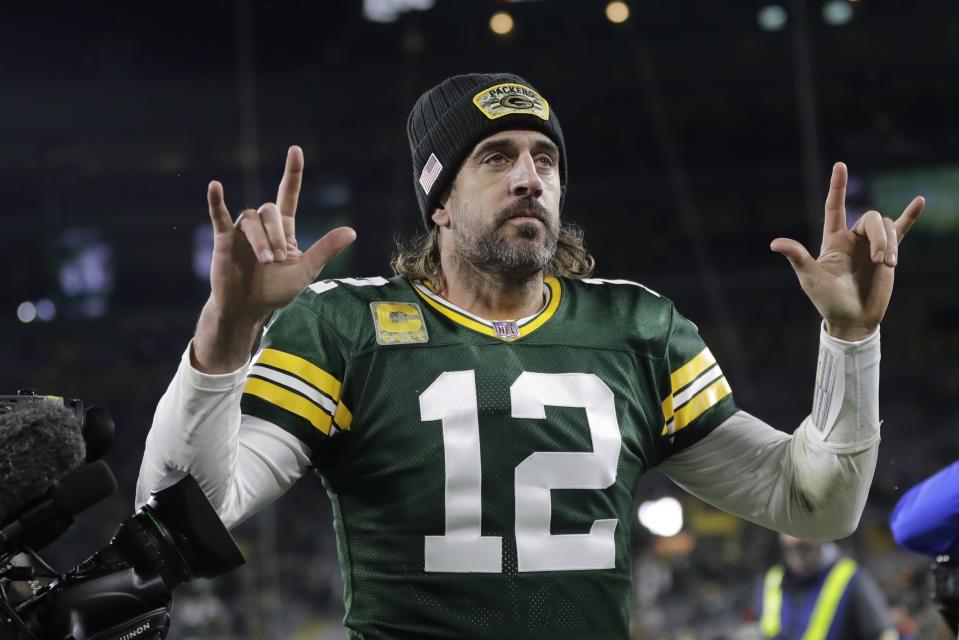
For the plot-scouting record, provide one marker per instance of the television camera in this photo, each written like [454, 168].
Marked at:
[51, 471]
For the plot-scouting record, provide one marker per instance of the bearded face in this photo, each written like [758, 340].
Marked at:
[502, 213]
[519, 240]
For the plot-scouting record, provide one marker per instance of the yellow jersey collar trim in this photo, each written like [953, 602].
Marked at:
[525, 325]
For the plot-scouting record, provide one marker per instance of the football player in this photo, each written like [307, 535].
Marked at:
[481, 418]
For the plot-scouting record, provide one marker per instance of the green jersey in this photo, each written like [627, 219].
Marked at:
[482, 473]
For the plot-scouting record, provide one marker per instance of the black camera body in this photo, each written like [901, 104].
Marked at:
[123, 591]
[945, 589]
[115, 606]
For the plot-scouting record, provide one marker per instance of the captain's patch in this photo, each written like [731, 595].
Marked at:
[511, 98]
[398, 323]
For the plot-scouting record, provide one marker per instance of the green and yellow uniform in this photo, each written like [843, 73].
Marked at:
[482, 473]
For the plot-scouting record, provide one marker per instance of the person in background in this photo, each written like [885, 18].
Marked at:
[819, 594]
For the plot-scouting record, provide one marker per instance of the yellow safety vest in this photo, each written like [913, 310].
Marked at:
[826, 604]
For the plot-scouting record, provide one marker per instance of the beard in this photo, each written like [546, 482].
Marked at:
[515, 250]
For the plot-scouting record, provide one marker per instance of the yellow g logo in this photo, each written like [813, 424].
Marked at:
[519, 103]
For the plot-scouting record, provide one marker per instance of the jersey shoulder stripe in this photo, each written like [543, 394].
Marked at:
[697, 385]
[301, 368]
[298, 386]
[686, 412]
[696, 395]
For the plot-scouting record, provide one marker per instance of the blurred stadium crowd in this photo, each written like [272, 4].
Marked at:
[696, 134]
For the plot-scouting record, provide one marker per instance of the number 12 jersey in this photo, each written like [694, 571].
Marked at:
[482, 473]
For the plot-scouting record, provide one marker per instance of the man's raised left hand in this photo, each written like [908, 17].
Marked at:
[850, 283]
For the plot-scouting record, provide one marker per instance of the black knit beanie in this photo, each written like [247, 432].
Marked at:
[453, 117]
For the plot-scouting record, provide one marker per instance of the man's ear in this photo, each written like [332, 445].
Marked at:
[441, 216]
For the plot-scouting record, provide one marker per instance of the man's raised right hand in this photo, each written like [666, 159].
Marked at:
[257, 267]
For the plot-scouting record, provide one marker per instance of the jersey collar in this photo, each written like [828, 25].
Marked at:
[523, 326]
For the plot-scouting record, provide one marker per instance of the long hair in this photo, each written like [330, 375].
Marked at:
[419, 259]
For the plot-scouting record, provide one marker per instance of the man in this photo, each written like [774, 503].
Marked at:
[817, 594]
[480, 425]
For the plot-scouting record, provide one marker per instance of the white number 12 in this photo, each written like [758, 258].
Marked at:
[452, 399]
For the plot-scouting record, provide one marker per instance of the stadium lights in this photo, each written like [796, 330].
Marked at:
[663, 517]
[771, 18]
[384, 11]
[617, 12]
[43, 310]
[836, 13]
[26, 312]
[46, 310]
[501, 23]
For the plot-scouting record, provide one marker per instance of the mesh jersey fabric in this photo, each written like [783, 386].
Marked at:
[623, 353]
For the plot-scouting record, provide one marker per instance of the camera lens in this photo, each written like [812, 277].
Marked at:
[145, 543]
[177, 535]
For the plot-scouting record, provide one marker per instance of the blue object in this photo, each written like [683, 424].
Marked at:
[926, 518]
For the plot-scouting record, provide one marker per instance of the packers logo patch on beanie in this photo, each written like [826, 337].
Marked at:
[453, 117]
[507, 98]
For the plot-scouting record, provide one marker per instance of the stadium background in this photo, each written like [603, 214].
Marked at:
[697, 132]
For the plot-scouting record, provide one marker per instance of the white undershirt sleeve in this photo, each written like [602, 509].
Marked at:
[242, 463]
[812, 484]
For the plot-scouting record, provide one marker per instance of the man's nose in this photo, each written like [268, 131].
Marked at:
[525, 180]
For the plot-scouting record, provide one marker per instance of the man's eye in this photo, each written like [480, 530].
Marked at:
[496, 158]
[544, 160]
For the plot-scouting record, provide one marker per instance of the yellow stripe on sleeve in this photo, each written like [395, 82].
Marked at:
[691, 370]
[292, 402]
[701, 402]
[668, 408]
[343, 417]
[303, 369]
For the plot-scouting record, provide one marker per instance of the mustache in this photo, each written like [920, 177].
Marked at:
[524, 207]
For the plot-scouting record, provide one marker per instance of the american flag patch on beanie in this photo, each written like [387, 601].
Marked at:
[431, 171]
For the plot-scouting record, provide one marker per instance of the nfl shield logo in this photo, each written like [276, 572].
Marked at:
[506, 329]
